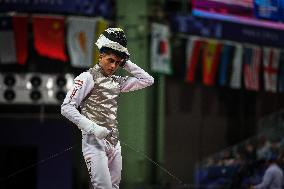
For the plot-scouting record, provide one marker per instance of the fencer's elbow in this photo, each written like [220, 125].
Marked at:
[63, 110]
[151, 80]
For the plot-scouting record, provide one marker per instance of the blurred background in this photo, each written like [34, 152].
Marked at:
[212, 118]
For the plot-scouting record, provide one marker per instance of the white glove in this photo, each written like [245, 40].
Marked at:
[92, 128]
[99, 131]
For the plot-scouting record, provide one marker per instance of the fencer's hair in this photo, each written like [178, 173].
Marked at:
[108, 51]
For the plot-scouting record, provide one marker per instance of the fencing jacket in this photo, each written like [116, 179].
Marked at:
[97, 95]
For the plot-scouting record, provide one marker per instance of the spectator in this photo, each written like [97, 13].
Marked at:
[249, 152]
[262, 148]
[273, 176]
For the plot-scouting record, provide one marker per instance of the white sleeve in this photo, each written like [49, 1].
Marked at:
[83, 84]
[139, 80]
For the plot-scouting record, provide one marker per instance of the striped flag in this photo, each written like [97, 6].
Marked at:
[7, 40]
[14, 39]
[81, 40]
[225, 66]
[251, 67]
[236, 77]
[270, 68]
[210, 61]
[193, 57]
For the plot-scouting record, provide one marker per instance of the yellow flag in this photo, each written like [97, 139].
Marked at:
[102, 25]
[211, 56]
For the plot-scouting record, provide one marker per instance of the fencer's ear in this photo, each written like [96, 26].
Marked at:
[100, 56]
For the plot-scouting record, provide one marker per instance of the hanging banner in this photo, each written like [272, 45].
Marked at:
[194, 49]
[7, 41]
[103, 8]
[20, 24]
[160, 49]
[210, 60]
[269, 34]
[81, 40]
[14, 39]
[101, 26]
[226, 62]
[236, 76]
[271, 57]
[251, 67]
[225, 7]
[49, 36]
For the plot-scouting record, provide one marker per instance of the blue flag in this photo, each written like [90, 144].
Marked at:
[226, 64]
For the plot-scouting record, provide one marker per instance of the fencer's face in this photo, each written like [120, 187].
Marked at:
[109, 63]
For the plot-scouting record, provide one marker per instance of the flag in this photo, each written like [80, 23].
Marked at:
[7, 40]
[210, 61]
[160, 49]
[281, 72]
[225, 66]
[49, 36]
[236, 77]
[193, 53]
[81, 40]
[251, 67]
[20, 24]
[101, 26]
[270, 68]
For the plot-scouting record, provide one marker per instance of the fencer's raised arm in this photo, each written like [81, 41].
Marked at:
[139, 79]
[83, 84]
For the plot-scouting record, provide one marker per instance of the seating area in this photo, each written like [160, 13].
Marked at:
[244, 164]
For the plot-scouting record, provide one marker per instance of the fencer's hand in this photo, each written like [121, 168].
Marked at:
[123, 61]
[122, 64]
[100, 132]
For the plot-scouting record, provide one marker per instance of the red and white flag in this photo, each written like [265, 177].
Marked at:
[251, 67]
[193, 57]
[160, 49]
[14, 39]
[271, 58]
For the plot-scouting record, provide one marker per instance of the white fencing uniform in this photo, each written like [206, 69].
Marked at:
[96, 96]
